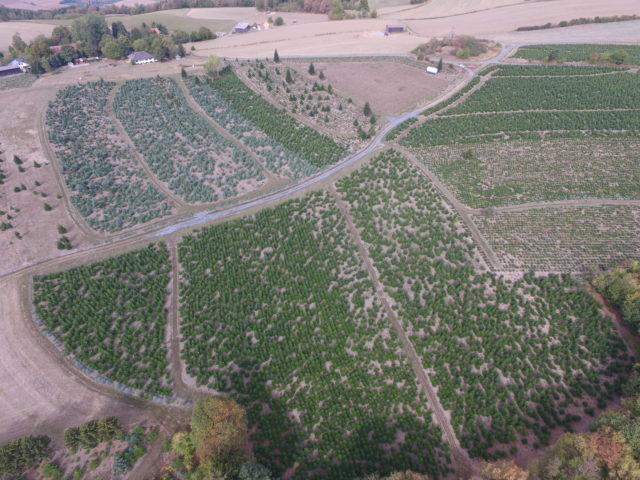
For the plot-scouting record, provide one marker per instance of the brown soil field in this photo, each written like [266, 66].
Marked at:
[252, 15]
[391, 88]
[31, 4]
[27, 30]
[443, 8]
[21, 111]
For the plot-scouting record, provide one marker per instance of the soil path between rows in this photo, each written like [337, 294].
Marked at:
[462, 463]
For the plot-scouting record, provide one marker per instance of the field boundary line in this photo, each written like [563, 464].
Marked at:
[463, 463]
[178, 202]
[459, 207]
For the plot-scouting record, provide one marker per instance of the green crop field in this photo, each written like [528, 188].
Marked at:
[576, 53]
[272, 153]
[278, 310]
[108, 186]
[17, 81]
[521, 171]
[111, 316]
[568, 239]
[539, 345]
[180, 147]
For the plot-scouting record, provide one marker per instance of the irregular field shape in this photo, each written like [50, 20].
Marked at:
[521, 171]
[537, 344]
[111, 316]
[315, 148]
[570, 239]
[277, 310]
[180, 147]
[108, 186]
[276, 157]
[577, 52]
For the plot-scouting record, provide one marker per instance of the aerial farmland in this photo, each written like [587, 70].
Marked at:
[366, 240]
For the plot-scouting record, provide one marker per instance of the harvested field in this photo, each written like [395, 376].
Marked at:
[506, 173]
[28, 31]
[444, 8]
[252, 15]
[336, 397]
[565, 239]
[391, 88]
[17, 81]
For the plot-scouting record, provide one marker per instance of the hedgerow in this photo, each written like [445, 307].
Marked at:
[111, 316]
[551, 70]
[108, 187]
[278, 311]
[276, 157]
[180, 147]
[317, 149]
[512, 360]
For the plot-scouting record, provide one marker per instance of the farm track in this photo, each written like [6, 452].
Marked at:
[178, 202]
[175, 358]
[273, 181]
[462, 462]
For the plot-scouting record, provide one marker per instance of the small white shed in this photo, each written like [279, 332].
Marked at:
[432, 70]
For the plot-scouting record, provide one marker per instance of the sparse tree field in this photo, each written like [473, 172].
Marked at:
[566, 239]
[108, 187]
[196, 162]
[303, 89]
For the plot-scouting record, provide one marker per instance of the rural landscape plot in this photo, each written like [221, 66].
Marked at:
[107, 185]
[577, 52]
[278, 310]
[565, 239]
[111, 316]
[180, 147]
[539, 345]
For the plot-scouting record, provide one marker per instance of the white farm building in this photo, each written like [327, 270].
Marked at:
[139, 58]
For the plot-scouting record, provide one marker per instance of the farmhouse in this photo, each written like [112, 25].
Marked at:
[395, 28]
[139, 58]
[242, 27]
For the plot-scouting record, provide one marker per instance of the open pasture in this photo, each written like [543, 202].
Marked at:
[27, 30]
[180, 147]
[575, 53]
[539, 345]
[390, 87]
[269, 151]
[521, 171]
[311, 97]
[108, 187]
[278, 310]
[110, 315]
[567, 239]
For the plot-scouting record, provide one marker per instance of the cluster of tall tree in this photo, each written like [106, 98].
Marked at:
[91, 433]
[23, 454]
[621, 287]
[90, 35]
